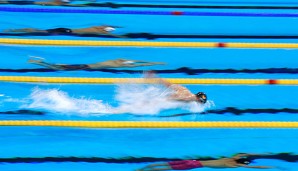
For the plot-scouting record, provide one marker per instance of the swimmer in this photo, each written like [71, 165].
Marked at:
[239, 160]
[117, 63]
[180, 93]
[51, 3]
[98, 30]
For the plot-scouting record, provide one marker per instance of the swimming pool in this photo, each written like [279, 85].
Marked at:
[71, 148]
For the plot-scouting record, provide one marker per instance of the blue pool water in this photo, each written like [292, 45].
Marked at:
[77, 149]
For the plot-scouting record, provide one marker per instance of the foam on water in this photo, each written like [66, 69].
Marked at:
[131, 98]
[56, 100]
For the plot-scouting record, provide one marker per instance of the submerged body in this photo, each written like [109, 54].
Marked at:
[233, 162]
[117, 63]
[96, 30]
[50, 3]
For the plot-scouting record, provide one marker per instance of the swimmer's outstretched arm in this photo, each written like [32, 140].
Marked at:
[238, 156]
[256, 167]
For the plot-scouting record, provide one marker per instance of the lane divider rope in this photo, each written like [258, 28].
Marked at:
[141, 80]
[145, 12]
[146, 44]
[149, 124]
[130, 5]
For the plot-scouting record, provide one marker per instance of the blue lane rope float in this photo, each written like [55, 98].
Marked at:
[140, 12]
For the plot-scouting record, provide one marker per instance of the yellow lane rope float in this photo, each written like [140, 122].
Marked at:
[148, 124]
[79, 80]
[146, 44]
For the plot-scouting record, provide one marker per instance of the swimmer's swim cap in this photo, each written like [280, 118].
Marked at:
[244, 161]
[202, 97]
[66, 1]
[109, 29]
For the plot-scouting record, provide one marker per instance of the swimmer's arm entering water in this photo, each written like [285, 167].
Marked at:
[181, 92]
[150, 76]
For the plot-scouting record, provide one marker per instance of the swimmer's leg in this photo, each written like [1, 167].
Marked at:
[53, 2]
[45, 64]
[25, 30]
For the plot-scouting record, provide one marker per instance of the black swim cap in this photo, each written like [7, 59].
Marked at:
[202, 97]
[245, 161]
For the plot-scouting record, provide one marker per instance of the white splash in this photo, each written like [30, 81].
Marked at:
[131, 98]
[59, 101]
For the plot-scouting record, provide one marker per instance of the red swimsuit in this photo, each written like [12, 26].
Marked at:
[185, 164]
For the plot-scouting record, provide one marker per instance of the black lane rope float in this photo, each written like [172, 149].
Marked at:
[288, 157]
[151, 36]
[119, 5]
[182, 70]
[235, 111]
[227, 110]
[23, 112]
[144, 12]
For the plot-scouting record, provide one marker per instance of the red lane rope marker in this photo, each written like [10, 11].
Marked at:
[272, 81]
[177, 13]
[221, 44]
